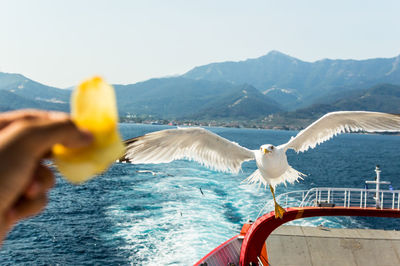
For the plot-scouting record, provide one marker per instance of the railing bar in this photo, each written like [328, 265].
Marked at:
[286, 200]
[329, 195]
[398, 201]
[348, 204]
[393, 199]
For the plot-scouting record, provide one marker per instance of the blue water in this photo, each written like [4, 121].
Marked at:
[128, 218]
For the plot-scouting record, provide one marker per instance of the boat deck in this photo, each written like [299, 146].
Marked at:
[288, 245]
[299, 245]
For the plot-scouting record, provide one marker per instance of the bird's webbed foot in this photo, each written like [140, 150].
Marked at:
[279, 211]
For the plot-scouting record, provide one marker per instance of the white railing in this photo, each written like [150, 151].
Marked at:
[337, 197]
[351, 197]
[341, 197]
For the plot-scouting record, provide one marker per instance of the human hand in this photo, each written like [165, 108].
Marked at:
[26, 138]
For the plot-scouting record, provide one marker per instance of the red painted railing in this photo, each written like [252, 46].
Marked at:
[257, 234]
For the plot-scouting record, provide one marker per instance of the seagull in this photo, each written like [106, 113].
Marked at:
[146, 171]
[218, 153]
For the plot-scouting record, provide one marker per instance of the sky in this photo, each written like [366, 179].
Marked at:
[62, 42]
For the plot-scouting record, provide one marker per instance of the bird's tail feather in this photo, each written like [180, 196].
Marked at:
[256, 178]
[291, 175]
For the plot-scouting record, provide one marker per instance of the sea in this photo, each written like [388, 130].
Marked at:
[175, 213]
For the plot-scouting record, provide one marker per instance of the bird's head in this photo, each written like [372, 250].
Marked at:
[267, 149]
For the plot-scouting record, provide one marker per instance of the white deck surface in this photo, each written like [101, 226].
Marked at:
[295, 245]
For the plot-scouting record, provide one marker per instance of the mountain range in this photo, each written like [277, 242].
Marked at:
[182, 98]
[295, 83]
[17, 91]
[274, 85]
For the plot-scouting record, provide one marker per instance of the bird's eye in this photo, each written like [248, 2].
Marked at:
[272, 147]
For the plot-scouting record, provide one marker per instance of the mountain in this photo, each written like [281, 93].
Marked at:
[18, 92]
[11, 101]
[268, 88]
[295, 83]
[379, 98]
[180, 98]
[242, 102]
[168, 97]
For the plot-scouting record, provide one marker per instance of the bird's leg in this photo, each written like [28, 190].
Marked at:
[279, 211]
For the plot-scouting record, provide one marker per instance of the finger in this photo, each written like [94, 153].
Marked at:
[25, 208]
[38, 136]
[27, 114]
[42, 181]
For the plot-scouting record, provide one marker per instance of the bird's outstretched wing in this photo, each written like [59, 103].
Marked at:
[195, 144]
[336, 123]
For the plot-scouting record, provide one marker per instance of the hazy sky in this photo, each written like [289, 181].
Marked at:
[61, 42]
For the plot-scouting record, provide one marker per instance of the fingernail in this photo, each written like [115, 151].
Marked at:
[57, 115]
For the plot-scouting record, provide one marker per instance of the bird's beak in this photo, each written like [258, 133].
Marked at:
[266, 151]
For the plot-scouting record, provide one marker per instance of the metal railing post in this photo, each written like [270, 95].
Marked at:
[398, 201]
[393, 199]
[329, 195]
[286, 200]
[348, 202]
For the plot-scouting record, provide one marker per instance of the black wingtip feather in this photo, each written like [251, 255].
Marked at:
[127, 142]
[132, 140]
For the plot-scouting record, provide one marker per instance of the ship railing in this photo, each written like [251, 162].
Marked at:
[351, 197]
[337, 197]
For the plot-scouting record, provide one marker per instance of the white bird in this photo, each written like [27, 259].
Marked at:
[220, 154]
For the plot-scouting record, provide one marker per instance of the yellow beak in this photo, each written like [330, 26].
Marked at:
[266, 151]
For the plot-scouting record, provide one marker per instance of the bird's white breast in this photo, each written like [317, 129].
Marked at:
[272, 165]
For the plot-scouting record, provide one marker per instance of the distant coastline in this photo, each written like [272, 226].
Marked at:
[238, 124]
[255, 124]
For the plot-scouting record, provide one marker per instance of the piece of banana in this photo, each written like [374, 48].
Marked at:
[93, 108]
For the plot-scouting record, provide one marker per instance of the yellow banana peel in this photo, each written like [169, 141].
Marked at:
[93, 108]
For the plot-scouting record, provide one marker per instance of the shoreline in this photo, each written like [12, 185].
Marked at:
[204, 124]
